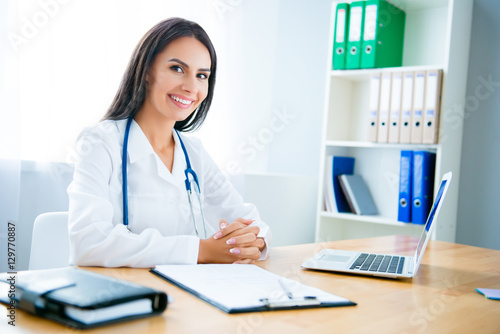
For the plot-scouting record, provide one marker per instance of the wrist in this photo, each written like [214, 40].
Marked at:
[202, 252]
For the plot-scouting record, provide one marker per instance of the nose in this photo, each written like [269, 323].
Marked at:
[190, 84]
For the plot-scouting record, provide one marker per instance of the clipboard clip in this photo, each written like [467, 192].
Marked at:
[291, 301]
[294, 302]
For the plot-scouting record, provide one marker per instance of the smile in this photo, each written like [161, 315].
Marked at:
[182, 101]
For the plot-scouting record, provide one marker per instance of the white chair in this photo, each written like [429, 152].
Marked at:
[50, 241]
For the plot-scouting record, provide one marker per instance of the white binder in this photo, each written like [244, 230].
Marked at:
[395, 107]
[432, 103]
[383, 113]
[373, 107]
[406, 108]
[418, 107]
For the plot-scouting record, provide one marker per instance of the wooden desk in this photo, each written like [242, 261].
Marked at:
[440, 299]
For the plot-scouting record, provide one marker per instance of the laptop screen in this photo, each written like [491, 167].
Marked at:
[430, 220]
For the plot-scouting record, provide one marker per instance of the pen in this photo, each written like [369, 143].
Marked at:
[285, 288]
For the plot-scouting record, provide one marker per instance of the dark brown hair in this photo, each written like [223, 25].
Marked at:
[132, 91]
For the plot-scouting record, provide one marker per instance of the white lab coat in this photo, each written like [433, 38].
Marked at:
[161, 230]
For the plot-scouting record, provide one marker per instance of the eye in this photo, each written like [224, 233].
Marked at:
[176, 68]
[202, 76]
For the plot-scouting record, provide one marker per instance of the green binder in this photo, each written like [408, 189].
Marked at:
[356, 14]
[340, 36]
[383, 35]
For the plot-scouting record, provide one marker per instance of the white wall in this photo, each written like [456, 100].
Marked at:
[272, 78]
[272, 56]
[478, 219]
[272, 61]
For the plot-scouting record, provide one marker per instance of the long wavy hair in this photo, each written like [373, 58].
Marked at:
[132, 91]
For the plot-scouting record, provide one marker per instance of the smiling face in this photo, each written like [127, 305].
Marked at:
[177, 81]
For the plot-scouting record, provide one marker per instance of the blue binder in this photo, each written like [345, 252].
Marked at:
[341, 165]
[405, 186]
[423, 185]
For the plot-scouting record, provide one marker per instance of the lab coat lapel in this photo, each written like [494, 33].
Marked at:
[138, 144]
[140, 148]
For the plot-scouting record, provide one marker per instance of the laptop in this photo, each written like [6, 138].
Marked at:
[384, 265]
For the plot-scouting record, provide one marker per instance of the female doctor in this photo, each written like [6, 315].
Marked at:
[144, 193]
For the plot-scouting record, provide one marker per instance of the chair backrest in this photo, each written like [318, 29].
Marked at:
[50, 241]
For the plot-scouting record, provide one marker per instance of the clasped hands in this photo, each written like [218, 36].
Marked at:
[233, 243]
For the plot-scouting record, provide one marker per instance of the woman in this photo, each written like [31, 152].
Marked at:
[167, 89]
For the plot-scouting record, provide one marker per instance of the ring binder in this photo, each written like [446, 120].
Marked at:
[81, 299]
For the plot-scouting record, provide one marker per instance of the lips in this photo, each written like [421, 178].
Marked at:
[181, 101]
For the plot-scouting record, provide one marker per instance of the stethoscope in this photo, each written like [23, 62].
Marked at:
[192, 186]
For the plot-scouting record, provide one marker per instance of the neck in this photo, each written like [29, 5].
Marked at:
[158, 130]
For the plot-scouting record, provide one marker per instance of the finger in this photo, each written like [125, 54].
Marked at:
[242, 239]
[244, 230]
[245, 261]
[234, 226]
[259, 243]
[222, 225]
[246, 252]
[245, 221]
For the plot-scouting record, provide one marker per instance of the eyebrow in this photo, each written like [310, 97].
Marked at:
[187, 66]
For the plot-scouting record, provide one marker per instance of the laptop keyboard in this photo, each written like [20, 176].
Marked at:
[379, 263]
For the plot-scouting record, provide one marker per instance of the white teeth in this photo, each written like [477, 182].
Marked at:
[181, 100]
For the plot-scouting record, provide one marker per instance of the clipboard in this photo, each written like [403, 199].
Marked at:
[242, 288]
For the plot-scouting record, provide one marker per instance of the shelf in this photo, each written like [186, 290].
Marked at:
[436, 38]
[365, 144]
[366, 219]
[364, 74]
[411, 5]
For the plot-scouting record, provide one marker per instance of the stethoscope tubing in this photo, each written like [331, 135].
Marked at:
[188, 171]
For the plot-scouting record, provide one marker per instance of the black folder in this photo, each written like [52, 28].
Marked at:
[79, 298]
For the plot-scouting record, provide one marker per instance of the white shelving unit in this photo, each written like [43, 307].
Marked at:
[437, 34]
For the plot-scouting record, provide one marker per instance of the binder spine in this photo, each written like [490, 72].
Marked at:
[384, 106]
[405, 187]
[383, 35]
[418, 106]
[356, 15]
[340, 36]
[406, 108]
[370, 34]
[423, 184]
[395, 108]
[373, 107]
[432, 107]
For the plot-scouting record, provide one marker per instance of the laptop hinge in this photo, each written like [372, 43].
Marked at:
[412, 266]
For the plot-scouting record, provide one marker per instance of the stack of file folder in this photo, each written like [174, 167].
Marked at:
[344, 191]
[335, 200]
[404, 107]
[368, 34]
[416, 186]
